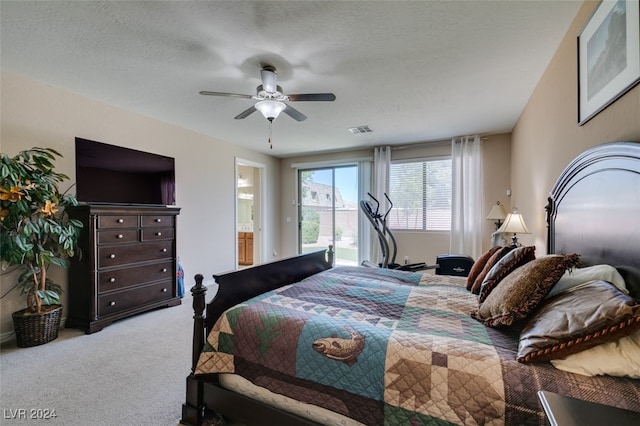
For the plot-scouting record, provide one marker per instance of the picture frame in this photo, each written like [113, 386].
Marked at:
[608, 56]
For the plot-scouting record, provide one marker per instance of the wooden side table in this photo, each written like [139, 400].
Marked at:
[566, 411]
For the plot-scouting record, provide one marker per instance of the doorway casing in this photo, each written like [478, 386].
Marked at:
[259, 208]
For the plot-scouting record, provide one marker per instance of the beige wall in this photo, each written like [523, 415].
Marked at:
[496, 170]
[34, 114]
[547, 137]
[418, 246]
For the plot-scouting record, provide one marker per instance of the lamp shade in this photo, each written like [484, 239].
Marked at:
[270, 109]
[497, 212]
[514, 224]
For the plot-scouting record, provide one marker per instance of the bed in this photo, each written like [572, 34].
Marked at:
[299, 341]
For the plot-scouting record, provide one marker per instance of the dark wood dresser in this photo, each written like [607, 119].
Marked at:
[128, 264]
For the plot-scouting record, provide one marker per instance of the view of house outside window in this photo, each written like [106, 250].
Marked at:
[421, 195]
[329, 212]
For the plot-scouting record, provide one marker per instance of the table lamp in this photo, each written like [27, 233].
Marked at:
[514, 224]
[497, 213]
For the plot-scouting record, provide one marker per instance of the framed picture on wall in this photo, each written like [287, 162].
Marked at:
[608, 56]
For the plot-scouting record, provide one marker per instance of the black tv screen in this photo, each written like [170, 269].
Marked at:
[116, 175]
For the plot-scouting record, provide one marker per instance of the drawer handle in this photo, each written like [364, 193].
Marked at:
[164, 269]
[112, 280]
[112, 303]
[120, 220]
[112, 256]
[164, 290]
[120, 236]
[164, 250]
[158, 234]
[158, 220]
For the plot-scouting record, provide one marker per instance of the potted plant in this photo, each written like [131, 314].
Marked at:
[36, 232]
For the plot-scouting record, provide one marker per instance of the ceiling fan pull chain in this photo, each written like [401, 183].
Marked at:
[270, 124]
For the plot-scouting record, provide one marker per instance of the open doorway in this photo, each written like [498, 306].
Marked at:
[249, 213]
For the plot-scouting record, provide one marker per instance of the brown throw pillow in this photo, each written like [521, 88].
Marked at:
[512, 260]
[578, 319]
[520, 292]
[495, 257]
[478, 265]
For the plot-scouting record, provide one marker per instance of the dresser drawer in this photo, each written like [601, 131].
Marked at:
[117, 221]
[112, 303]
[118, 236]
[156, 221]
[151, 234]
[125, 254]
[121, 278]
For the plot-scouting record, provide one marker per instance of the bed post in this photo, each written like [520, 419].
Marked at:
[550, 209]
[193, 409]
[198, 291]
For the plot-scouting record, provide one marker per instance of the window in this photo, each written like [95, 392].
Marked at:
[421, 195]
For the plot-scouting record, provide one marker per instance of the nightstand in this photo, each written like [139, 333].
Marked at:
[565, 411]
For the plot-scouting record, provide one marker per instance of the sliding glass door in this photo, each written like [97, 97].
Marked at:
[328, 211]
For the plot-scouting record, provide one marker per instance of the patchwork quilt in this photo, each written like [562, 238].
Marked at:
[388, 347]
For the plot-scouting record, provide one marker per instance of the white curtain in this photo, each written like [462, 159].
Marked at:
[366, 244]
[466, 200]
[381, 163]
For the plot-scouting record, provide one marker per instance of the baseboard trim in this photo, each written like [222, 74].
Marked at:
[8, 336]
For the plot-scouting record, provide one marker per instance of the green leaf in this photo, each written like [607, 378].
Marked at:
[49, 297]
[28, 237]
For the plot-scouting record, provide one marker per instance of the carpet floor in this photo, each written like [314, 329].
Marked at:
[130, 373]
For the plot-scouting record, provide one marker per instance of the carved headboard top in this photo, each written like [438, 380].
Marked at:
[594, 209]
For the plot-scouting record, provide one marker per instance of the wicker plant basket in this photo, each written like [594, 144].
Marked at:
[37, 329]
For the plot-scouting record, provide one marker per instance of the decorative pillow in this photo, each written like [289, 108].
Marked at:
[495, 257]
[512, 260]
[479, 265]
[617, 358]
[577, 276]
[520, 292]
[578, 319]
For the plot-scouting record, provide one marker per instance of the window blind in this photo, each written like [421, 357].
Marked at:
[421, 195]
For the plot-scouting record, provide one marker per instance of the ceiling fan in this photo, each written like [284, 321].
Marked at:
[271, 99]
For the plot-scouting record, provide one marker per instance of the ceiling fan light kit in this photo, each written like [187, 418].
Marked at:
[270, 109]
[271, 98]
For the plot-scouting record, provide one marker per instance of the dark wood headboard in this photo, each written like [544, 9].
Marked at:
[594, 209]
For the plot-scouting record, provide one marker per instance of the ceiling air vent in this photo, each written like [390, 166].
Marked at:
[360, 129]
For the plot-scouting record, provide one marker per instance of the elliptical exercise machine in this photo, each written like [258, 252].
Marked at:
[447, 264]
[388, 244]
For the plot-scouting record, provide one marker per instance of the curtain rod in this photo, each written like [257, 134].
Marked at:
[431, 143]
[419, 144]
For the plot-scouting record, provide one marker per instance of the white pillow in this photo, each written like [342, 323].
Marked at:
[618, 358]
[576, 276]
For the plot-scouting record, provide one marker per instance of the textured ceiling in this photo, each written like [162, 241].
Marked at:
[413, 71]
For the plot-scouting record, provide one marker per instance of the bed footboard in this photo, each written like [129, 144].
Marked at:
[236, 287]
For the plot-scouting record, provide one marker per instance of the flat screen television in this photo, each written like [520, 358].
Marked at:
[112, 174]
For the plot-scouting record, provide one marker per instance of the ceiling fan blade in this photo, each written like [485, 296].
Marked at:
[269, 80]
[294, 113]
[312, 97]
[233, 95]
[246, 113]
